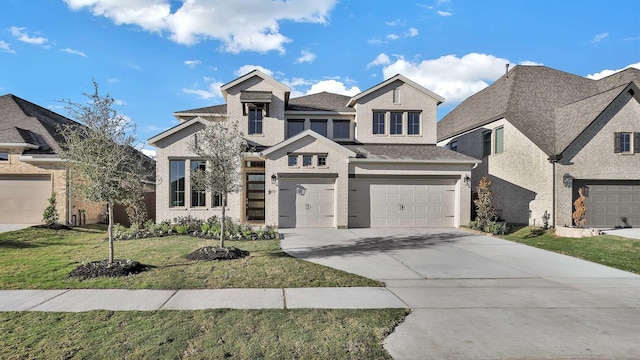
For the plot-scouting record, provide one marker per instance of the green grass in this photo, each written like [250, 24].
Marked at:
[42, 259]
[208, 334]
[615, 251]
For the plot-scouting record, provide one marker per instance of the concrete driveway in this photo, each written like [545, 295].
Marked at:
[13, 227]
[478, 297]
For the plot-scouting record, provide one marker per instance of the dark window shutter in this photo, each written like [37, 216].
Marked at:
[636, 143]
[616, 142]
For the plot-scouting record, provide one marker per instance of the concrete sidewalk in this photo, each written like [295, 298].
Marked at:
[149, 300]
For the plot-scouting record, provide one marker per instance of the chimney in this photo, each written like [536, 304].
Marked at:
[506, 70]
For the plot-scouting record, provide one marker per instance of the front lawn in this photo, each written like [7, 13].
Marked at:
[207, 334]
[36, 258]
[615, 251]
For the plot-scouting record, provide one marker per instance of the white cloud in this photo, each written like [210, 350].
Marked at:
[212, 91]
[152, 129]
[244, 69]
[599, 37]
[113, 80]
[444, 13]
[381, 59]
[411, 33]
[530, 63]
[4, 46]
[396, 22]
[333, 86]
[454, 78]
[119, 102]
[306, 57]
[74, 52]
[149, 152]
[21, 34]
[605, 73]
[376, 41]
[393, 37]
[247, 25]
[192, 63]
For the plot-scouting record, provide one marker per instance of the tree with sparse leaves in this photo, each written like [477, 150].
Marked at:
[99, 153]
[579, 216]
[486, 212]
[221, 146]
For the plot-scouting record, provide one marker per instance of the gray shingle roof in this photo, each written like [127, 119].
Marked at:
[407, 152]
[216, 109]
[323, 101]
[529, 98]
[24, 122]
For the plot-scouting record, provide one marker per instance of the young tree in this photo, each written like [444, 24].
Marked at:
[486, 213]
[99, 153]
[50, 215]
[221, 145]
[579, 216]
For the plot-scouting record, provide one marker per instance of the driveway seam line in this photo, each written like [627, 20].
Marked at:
[169, 298]
[49, 299]
[284, 299]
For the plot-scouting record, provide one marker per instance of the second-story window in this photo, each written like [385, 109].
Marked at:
[319, 126]
[395, 126]
[255, 120]
[294, 127]
[378, 122]
[486, 143]
[413, 123]
[499, 145]
[341, 129]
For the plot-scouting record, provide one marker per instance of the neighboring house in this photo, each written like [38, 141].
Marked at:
[542, 134]
[323, 160]
[31, 168]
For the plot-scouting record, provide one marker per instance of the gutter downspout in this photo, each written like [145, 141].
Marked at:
[68, 197]
[553, 159]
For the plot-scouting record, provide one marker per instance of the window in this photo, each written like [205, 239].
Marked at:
[255, 120]
[395, 128]
[322, 160]
[4, 156]
[486, 143]
[294, 127]
[453, 146]
[378, 123]
[307, 160]
[198, 196]
[293, 160]
[622, 142]
[341, 129]
[396, 95]
[499, 140]
[319, 126]
[176, 189]
[413, 123]
[217, 200]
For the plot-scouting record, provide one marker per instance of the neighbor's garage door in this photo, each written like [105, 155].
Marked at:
[306, 203]
[402, 203]
[611, 203]
[23, 198]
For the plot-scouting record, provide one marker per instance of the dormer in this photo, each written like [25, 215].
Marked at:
[396, 111]
[257, 102]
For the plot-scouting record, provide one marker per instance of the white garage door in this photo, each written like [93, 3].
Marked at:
[402, 203]
[23, 198]
[306, 203]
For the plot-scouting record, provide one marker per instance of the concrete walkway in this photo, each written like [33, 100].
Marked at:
[479, 297]
[147, 300]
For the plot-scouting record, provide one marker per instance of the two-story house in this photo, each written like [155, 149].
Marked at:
[323, 160]
[542, 134]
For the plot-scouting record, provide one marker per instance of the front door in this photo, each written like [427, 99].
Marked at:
[255, 197]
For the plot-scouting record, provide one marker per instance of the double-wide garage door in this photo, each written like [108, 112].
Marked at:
[402, 203]
[611, 203]
[23, 198]
[306, 203]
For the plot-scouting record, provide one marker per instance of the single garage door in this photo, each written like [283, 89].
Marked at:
[306, 203]
[611, 203]
[402, 203]
[23, 198]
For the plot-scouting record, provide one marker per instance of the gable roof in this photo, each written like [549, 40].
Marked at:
[537, 101]
[397, 77]
[208, 111]
[177, 128]
[249, 75]
[324, 101]
[329, 143]
[32, 127]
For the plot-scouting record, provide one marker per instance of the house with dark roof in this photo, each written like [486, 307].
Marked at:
[542, 134]
[31, 168]
[323, 160]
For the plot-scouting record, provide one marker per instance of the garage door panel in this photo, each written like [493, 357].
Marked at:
[23, 198]
[611, 203]
[306, 203]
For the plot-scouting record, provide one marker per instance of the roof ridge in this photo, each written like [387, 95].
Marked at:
[593, 95]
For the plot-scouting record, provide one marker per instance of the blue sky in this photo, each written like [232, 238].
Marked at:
[160, 56]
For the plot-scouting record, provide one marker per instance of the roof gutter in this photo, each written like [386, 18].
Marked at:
[412, 161]
[32, 159]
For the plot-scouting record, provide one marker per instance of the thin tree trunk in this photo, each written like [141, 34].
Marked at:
[222, 229]
[110, 231]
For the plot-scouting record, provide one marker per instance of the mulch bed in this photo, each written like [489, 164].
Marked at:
[218, 253]
[102, 268]
[53, 227]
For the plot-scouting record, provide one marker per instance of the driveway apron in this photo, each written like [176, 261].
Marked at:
[478, 297]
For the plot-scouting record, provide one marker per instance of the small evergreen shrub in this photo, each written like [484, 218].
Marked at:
[50, 216]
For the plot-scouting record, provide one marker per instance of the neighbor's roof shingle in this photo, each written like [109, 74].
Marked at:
[407, 152]
[529, 98]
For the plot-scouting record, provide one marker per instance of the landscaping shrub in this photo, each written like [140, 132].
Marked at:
[50, 216]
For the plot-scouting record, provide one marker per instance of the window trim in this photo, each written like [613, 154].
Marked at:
[324, 157]
[294, 121]
[201, 194]
[377, 124]
[487, 136]
[291, 156]
[418, 114]
[394, 122]
[179, 185]
[307, 157]
[320, 121]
